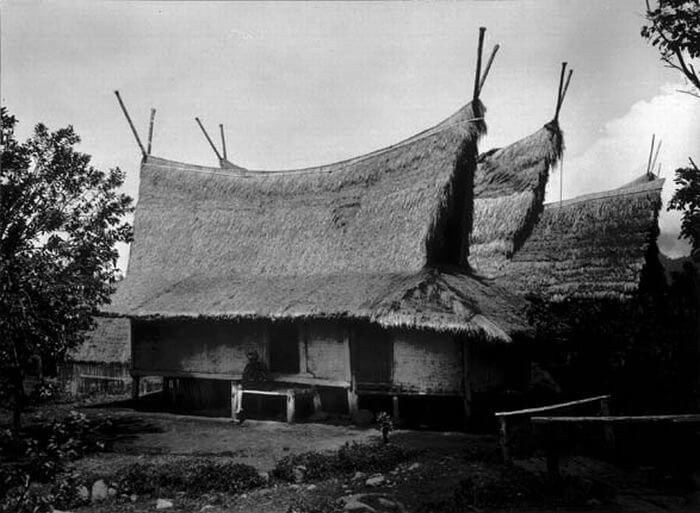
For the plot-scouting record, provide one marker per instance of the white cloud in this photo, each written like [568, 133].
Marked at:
[621, 153]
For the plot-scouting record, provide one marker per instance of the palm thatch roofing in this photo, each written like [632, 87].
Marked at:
[108, 342]
[509, 189]
[593, 246]
[360, 239]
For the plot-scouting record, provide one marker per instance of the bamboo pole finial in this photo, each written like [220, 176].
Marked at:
[477, 74]
[131, 124]
[223, 140]
[651, 152]
[561, 89]
[488, 67]
[150, 131]
[216, 152]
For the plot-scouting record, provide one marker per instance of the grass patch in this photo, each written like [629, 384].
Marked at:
[350, 458]
[516, 487]
[192, 477]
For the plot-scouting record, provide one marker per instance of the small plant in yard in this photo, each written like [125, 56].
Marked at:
[46, 391]
[34, 460]
[385, 424]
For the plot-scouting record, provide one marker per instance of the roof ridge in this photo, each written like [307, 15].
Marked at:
[241, 172]
[611, 193]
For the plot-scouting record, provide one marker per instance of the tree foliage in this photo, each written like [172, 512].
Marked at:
[687, 200]
[60, 220]
[673, 26]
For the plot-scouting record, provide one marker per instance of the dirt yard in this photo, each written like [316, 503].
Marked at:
[429, 481]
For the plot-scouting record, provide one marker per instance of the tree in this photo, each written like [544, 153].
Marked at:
[687, 200]
[674, 28]
[60, 220]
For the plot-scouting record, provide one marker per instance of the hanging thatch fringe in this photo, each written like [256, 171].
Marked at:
[509, 191]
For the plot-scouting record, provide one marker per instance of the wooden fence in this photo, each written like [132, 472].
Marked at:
[506, 418]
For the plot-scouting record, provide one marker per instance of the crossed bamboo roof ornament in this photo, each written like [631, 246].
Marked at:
[479, 81]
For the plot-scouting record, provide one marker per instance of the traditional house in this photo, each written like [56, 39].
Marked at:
[350, 277]
[102, 363]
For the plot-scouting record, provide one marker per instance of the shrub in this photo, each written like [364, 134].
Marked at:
[46, 391]
[193, 477]
[350, 458]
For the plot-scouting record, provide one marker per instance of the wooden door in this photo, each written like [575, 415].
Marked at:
[373, 356]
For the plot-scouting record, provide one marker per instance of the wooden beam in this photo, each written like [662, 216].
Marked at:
[552, 407]
[622, 419]
[150, 130]
[216, 152]
[477, 74]
[283, 378]
[131, 124]
[488, 68]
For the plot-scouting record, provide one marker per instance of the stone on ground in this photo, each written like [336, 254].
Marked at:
[375, 480]
[163, 504]
[99, 491]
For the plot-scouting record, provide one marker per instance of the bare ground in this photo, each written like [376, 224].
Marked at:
[423, 484]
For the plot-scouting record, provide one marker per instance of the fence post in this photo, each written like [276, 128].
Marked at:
[608, 430]
[503, 440]
[552, 454]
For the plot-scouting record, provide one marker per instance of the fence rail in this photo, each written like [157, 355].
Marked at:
[504, 417]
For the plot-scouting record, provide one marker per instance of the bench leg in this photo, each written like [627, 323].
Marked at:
[352, 401]
[236, 400]
[290, 406]
[317, 401]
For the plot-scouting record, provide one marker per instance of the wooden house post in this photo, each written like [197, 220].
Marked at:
[135, 384]
[466, 360]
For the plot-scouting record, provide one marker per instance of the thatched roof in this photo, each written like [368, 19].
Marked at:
[333, 241]
[509, 189]
[593, 246]
[108, 342]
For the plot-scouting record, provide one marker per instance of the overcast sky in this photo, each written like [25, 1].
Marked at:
[302, 84]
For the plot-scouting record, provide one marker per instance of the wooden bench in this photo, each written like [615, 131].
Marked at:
[237, 392]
